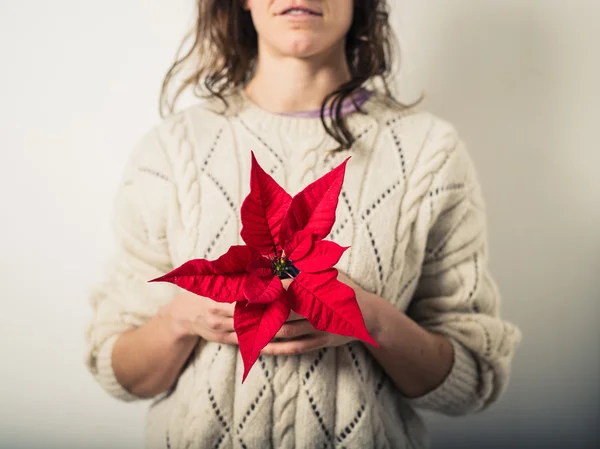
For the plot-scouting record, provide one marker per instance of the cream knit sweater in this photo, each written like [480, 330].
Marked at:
[412, 211]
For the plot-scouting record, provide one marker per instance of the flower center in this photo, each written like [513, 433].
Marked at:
[283, 268]
[279, 265]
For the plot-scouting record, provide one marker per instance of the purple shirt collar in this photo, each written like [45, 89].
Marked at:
[360, 98]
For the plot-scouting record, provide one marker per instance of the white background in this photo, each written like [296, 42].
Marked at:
[79, 85]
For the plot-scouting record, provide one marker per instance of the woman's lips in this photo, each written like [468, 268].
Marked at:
[300, 12]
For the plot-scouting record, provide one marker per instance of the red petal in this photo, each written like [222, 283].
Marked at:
[299, 245]
[314, 207]
[256, 325]
[263, 211]
[261, 266]
[221, 280]
[324, 255]
[328, 304]
[262, 289]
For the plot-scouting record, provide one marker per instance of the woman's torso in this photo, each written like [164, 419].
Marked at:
[333, 397]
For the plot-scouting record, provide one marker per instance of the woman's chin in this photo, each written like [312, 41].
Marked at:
[303, 48]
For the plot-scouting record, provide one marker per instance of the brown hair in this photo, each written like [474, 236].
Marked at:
[225, 48]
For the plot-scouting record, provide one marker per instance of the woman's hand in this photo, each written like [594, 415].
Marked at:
[191, 315]
[298, 336]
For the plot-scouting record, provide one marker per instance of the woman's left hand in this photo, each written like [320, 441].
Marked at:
[300, 336]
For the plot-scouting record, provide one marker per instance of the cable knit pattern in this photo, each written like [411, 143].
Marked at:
[285, 388]
[186, 173]
[411, 209]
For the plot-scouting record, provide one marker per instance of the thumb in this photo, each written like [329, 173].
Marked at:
[286, 283]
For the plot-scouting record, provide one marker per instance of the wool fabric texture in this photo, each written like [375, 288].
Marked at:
[411, 209]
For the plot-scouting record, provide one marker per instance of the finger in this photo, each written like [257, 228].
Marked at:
[206, 306]
[216, 323]
[294, 316]
[227, 338]
[297, 346]
[230, 338]
[221, 309]
[227, 325]
[295, 329]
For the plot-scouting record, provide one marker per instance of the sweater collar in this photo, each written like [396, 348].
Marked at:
[295, 126]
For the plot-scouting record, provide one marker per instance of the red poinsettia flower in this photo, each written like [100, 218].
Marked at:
[284, 238]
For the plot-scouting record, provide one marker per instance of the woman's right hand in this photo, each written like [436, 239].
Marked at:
[191, 315]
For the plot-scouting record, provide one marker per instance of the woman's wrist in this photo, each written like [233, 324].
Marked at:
[416, 359]
[173, 329]
[385, 322]
[370, 307]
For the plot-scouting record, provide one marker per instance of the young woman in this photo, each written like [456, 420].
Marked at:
[302, 83]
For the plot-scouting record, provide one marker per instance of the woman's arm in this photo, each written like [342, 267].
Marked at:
[141, 334]
[148, 360]
[124, 303]
[459, 360]
[416, 360]
[451, 352]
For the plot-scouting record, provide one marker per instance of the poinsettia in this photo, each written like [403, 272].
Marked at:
[285, 238]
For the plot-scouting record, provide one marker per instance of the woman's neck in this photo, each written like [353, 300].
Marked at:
[288, 85]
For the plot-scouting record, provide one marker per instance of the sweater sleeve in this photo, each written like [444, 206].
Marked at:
[456, 295]
[124, 299]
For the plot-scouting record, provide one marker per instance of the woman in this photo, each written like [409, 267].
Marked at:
[303, 85]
